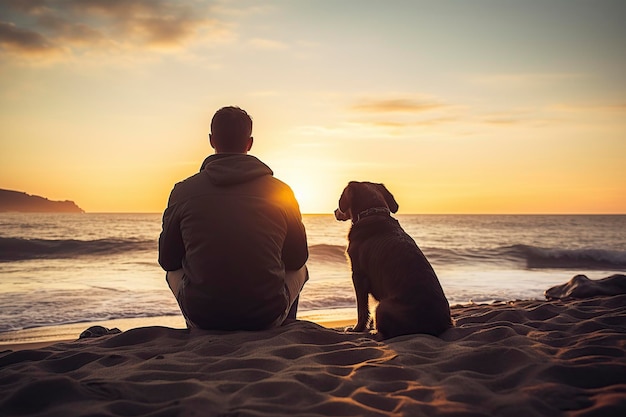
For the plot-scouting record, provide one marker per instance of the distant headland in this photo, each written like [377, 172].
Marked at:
[16, 201]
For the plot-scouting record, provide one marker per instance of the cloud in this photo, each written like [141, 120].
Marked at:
[400, 115]
[396, 105]
[501, 121]
[23, 40]
[526, 79]
[414, 123]
[152, 22]
[593, 107]
[42, 26]
[267, 44]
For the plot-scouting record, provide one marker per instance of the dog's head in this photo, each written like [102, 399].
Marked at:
[360, 196]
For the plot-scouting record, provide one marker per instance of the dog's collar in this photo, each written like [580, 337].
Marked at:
[374, 211]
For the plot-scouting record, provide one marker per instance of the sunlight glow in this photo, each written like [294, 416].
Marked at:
[109, 111]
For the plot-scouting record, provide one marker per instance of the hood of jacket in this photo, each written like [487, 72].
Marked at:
[230, 169]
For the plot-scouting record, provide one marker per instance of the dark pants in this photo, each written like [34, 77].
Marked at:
[294, 282]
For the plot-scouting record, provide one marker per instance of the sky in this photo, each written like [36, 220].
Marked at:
[481, 106]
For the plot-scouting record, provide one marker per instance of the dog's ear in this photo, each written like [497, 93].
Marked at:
[346, 198]
[391, 202]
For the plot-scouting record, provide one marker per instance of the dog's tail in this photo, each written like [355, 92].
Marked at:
[396, 318]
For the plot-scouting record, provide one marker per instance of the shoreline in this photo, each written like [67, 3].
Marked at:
[44, 336]
[578, 288]
[39, 337]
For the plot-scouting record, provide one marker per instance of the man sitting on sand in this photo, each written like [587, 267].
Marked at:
[233, 243]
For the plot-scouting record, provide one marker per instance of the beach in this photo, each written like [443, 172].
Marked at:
[565, 356]
[518, 358]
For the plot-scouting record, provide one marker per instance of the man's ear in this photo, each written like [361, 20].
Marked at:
[250, 142]
[211, 141]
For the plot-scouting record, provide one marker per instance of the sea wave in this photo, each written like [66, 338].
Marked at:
[328, 253]
[17, 249]
[517, 255]
[23, 310]
[537, 257]
[341, 299]
[520, 255]
[531, 257]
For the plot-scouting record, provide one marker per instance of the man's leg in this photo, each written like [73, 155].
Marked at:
[295, 280]
[293, 311]
[175, 281]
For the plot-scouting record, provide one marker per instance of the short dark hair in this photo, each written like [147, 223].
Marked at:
[231, 127]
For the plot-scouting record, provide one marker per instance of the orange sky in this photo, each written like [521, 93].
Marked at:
[458, 107]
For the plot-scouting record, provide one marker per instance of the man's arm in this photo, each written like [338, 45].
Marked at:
[295, 250]
[171, 246]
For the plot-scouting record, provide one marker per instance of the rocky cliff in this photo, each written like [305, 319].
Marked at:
[21, 202]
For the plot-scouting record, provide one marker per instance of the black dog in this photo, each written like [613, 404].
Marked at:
[387, 263]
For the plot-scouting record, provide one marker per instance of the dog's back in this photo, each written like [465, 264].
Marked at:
[400, 276]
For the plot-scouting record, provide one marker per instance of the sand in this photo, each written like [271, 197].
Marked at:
[525, 358]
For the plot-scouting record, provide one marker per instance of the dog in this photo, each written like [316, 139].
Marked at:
[388, 264]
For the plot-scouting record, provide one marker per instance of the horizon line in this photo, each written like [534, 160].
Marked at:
[398, 214]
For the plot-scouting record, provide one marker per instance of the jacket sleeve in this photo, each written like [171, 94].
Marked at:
[171, 246]
[295, 250]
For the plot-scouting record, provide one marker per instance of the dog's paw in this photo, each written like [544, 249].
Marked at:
[376, 335]
[353, 329]
[360, 326]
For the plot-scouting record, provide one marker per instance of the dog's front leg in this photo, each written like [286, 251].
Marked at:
[361, 288]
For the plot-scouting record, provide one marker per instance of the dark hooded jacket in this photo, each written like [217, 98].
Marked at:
[234, 229]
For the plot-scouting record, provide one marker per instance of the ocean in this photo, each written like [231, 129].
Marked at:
[59, 269]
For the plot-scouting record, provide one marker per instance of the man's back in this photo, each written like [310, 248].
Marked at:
[234, 229]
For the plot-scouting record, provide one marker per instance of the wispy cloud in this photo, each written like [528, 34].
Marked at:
[396, 105]
[502, 121]
[598, 107]
[50, 26]
[267, 44]
[525, 79]
[413, 123]
[402, 114]
[23, 40]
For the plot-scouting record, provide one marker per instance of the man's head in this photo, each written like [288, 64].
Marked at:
[231, 131]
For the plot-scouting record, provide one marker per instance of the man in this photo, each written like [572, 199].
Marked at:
[233, 241]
